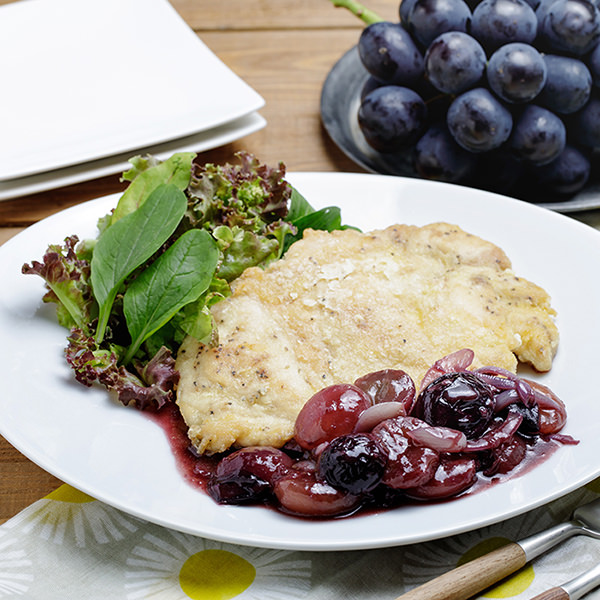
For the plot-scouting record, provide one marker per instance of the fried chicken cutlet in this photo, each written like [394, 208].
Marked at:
[343, 304]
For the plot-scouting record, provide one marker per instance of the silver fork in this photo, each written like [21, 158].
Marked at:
[475, 576]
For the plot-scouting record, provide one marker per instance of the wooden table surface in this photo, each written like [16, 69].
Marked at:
[284, 50]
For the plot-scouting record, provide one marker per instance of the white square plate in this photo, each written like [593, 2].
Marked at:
[117, 163]
[83, 80]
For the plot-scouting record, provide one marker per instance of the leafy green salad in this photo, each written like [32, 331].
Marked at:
[179, 235]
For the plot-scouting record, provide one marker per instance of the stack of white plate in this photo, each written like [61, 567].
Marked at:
[85, 85]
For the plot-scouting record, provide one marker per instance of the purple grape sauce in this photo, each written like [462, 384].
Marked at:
[462, 432]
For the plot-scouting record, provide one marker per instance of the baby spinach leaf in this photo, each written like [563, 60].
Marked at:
[177, 170]
[131, 241]
[176, 278]
[328, 219]
[299, 206]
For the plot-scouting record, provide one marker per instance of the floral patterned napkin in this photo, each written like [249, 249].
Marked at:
[69, 545]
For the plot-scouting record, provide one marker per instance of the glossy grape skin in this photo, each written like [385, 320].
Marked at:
[389, 385]
[300, 492]
[452, 477]
[505, 458]
[584, 125]
[568, 84]
[404, 11]
[538, 136]
[429, 18]
[331, 412]
[454, 62]
[568, 26]
[408, 465]
[370, 84]
[551, 418]
[392, 117]
[389, 54]
[499, 22]
[565, 175]
[593, 63]
[459, 401]
[248, 475]
[478, 121]
[352, 463]
[439, 157]
[516, 72]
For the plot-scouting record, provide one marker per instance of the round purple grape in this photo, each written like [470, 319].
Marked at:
[437, 156]
[568, 84]
[457, 400]
[516, 72]
[538, 135]
[593, 63]
[499, 22]
[389, 53]
[568, 26]
[584, 125]
[392, 117]
[454, 62]
[353, 463]
[479, 122]
[427, 19]
[566, 175]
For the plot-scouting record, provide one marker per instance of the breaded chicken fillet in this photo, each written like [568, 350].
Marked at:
[343, 304]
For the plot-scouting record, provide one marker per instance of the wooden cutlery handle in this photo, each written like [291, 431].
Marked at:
[555, 593]
[473, 577]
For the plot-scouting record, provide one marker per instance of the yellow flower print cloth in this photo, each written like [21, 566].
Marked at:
[69, 545]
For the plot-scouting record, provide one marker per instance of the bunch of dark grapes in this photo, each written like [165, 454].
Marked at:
[498, 94]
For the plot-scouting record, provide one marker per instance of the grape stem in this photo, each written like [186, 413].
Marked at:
[358, 9]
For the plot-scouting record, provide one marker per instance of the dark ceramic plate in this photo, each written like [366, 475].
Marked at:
[340, 99]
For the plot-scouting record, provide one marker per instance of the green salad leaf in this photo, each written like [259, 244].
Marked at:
[176, 278]
[146, 174]
[131, 241]
[180, 235]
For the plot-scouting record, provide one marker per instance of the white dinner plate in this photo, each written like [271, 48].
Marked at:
[82, 80]
[120, 456]
[198, 142]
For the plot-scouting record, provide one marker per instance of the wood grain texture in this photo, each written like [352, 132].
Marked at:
[555, 593]
[275, 14]
[471, 578]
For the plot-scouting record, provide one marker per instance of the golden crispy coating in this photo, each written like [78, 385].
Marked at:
[343, 304]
